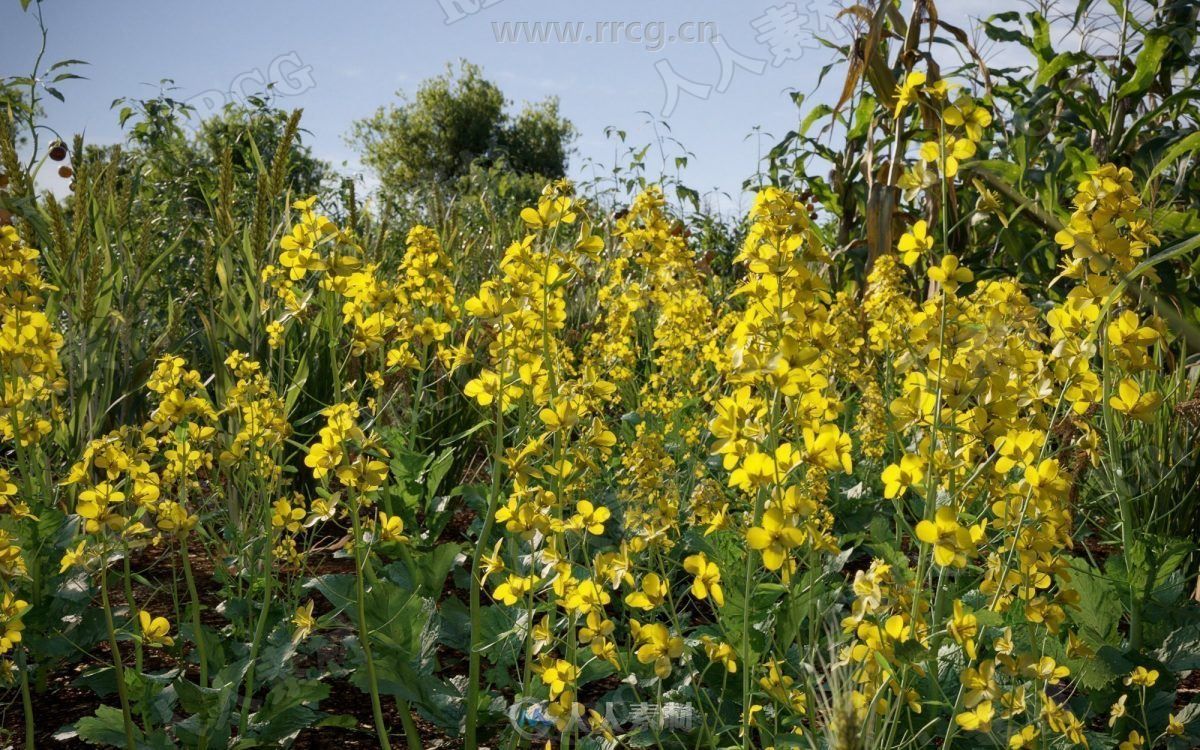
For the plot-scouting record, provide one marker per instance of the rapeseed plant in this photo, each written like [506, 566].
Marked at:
[822, 507]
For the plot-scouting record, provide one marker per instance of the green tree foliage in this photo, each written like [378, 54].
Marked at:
[455, 121]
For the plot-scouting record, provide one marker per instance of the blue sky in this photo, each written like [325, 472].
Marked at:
[342, 61]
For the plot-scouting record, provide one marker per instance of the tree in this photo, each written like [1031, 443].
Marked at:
[455, 121]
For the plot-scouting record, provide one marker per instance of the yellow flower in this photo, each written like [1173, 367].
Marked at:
[978, 719]
[491, 564]
[1130, 400]
[774, 538]
[659, 647]
[951, 542]
[94, 503]
[955, 150]
[73, 557]
[897, 478]
[551, 210]
[485, 389]
[1142, 677]
[364, 473]
[1018, 448]
[950, 274]
[964, 627]
[720, 652]
[1026, 737]
[303, 621]
[565, 414]
[598, 626]
[323, 457]
[915, 243]
[284, 516]
[829, 448]
[1175, 727]
[1048, 670]
[588, 244]
[757, 470]
[155, 630]
[542, 634]
[980, 684]
[897, 629]
[915, 179]
[559, 677]
[1126, 329]
[968, 115]
[275, 333]
[588, 598]
[299, 255]
[391, 528]
[906, 93]
[1118, 711]
[590, 518]
[652, 594]
[515, 588]
[708, 578]
[12, 610]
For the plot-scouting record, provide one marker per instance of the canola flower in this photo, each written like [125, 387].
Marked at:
[811, 507]
[31, 382]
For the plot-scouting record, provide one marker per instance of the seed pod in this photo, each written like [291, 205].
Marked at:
[65, 172]
[58, 151]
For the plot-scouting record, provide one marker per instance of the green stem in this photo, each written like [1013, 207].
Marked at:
[193, 593]
[26, 701]
[471, 741]
[260, 630]
[747, 668]
[118, 666]
[127, 581]
[364, 634]
[412, 735]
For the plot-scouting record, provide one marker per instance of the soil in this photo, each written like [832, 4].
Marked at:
[62, 703]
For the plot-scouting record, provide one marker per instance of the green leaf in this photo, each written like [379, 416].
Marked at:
[1100, 608]
[290, 706]
[425, 573]
[337, 588]
[763, 599]
[437, 472]
[685, 193]
[1187, 145]
[276, 661]
[1057, 65]
[66, 63]
[399, 621]
[1147, 65]
[1180, 650]
[105, 727]
[819, 111]
[1040, 43]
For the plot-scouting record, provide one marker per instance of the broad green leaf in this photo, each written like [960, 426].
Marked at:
[105, 727]
[1187, 145]
[1147, 65]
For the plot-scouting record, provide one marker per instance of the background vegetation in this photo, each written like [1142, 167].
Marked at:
[615, 317]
